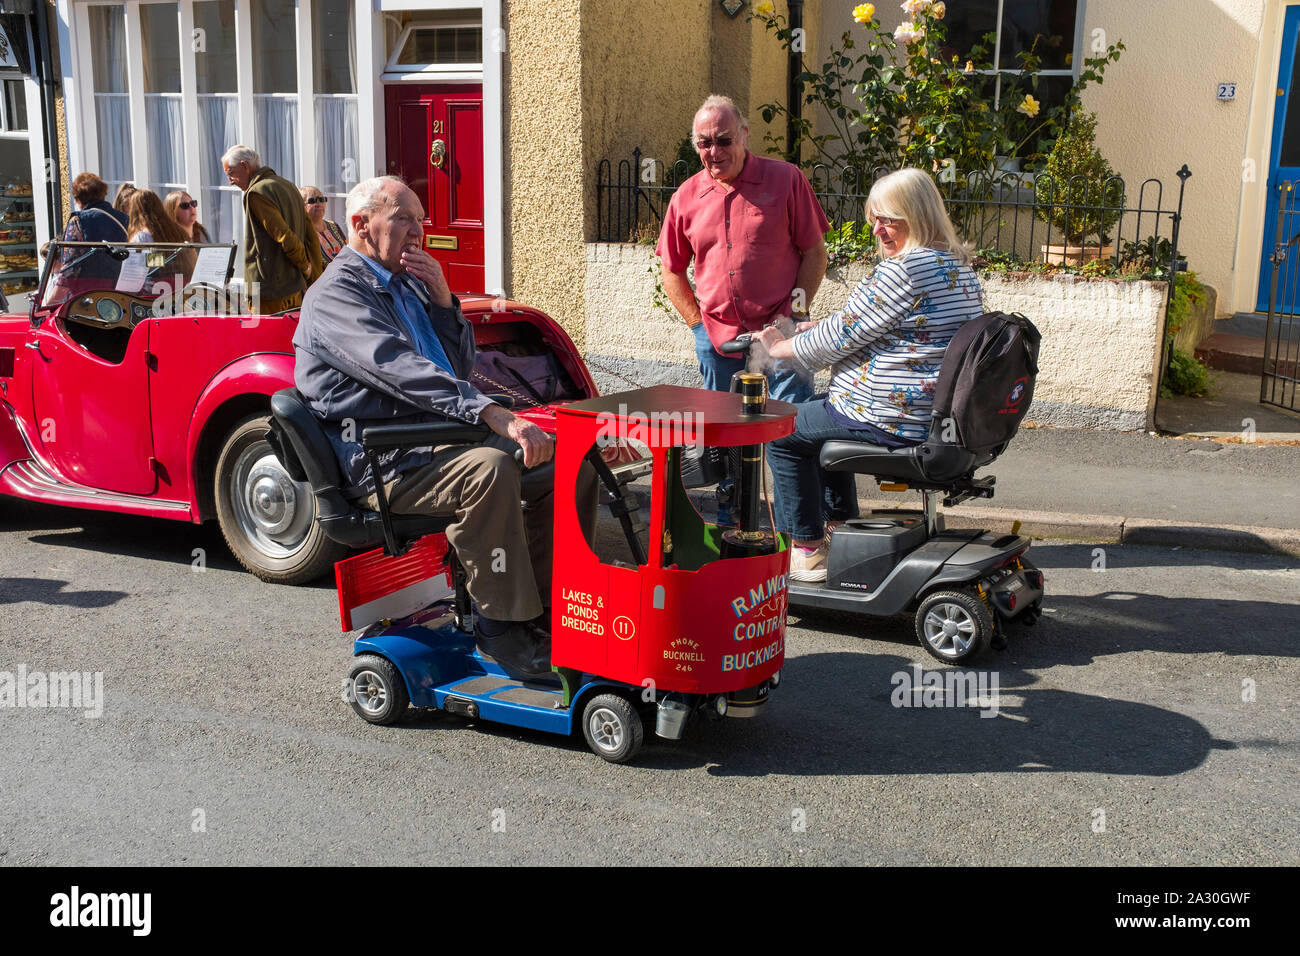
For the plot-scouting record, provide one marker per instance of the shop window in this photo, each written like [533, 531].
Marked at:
[218, 107]
[337, 123]
[109, 84]
[15, 107]
[275, 85]
[164, 124]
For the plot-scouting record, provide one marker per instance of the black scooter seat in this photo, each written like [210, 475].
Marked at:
[930, 463]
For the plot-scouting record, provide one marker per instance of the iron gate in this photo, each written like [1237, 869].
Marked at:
[1282, 334]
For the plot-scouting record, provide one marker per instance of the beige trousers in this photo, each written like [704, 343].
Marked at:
[504, 548]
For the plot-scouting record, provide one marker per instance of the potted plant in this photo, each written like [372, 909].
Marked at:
[1078, 193]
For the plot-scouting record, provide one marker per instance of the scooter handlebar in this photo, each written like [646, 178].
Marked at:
[737, 345]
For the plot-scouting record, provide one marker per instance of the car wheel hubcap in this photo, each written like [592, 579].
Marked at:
[606, 729]
[950, 629]
[273, 510]
[370, 692]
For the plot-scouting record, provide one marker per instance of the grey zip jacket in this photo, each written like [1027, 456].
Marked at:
[357, 364]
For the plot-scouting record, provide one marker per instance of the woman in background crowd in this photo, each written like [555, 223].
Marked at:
[150, 223]
[332, 236]
[122, 199]
[184, 208]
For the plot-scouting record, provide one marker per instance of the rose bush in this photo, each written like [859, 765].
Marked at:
[889, 100]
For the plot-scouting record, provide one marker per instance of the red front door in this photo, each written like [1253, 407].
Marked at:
[435, 143]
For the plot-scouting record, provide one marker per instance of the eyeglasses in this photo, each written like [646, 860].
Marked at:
[887, 222]
[192, 204]
[315, 199]
[722, 142]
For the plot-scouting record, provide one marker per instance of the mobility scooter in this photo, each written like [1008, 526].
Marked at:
[964, 586]
[690, 621]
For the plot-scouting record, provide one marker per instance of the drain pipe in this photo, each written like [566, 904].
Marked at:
[793, 89]
[46, 77]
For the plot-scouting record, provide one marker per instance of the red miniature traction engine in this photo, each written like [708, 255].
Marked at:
[702, 609]
[679, 618]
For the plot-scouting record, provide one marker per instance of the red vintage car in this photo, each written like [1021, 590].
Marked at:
[125, 388]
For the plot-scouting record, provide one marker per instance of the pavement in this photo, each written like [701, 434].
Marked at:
[1221, 472]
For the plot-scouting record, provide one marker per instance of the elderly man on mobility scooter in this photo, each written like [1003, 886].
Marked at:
[693, 624]
[381, 339]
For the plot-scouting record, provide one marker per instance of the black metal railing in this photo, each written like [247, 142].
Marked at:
[632, 196]
[1031, 215]
[1025, 216]
[1280, 379]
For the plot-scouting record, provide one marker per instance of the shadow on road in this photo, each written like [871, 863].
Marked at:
[47, 591]
[151, 539]
[834, 715]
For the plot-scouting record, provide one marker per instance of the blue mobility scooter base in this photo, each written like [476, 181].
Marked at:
[438, 661]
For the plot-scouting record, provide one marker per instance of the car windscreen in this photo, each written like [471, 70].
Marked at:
[146, 269]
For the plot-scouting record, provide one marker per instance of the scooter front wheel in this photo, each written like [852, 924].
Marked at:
[954, 626]
[612, 727]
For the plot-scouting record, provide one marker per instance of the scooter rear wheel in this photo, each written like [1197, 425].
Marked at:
[376, 690]
[954, 626]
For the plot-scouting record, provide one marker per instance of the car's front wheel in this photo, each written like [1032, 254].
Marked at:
[267, 518]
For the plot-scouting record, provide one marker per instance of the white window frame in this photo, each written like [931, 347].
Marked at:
[75, 48]
[6, 74]
[1072, 72]
[431, 72]
[31, 94]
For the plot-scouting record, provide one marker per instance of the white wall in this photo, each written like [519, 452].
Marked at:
[1097, 365]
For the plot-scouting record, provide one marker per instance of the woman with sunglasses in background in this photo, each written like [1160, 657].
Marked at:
[332, 236]
[151, 223]
[185, 210]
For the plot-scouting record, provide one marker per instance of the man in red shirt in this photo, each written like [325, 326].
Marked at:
[756, 233]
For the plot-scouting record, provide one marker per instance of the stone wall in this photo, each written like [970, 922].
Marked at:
[1101, 346]
[1098, 363]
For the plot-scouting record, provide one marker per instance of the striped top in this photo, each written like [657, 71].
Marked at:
[886, 346]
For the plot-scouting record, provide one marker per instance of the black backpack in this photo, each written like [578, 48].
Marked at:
[986, 382]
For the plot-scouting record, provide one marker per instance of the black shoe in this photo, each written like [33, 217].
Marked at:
[520, 650]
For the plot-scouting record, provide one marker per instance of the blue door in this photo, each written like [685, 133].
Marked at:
[1283, 167]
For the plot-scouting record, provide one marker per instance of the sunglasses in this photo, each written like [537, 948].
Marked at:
[315, 199]
[722, 142]
[192, 204]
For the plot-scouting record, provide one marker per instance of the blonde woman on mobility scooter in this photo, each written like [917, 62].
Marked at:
[884, 349]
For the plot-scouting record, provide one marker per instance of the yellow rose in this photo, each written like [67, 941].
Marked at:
[939, 10]
[1028, 106]
[970, 67]
[765, 8]
[863, 13]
